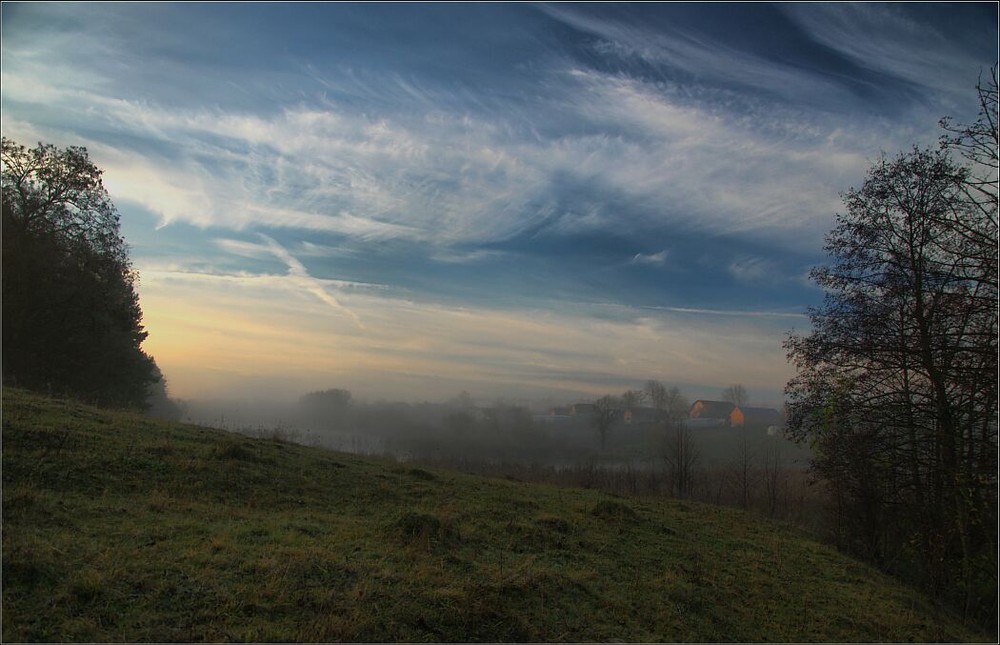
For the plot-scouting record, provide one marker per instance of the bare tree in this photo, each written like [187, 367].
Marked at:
[605, 412]
[680, 450]
[743, 472]
[681, 456]
[633, 398]
[736, 394]
[676, 405]
[656, 392]
[773, 474]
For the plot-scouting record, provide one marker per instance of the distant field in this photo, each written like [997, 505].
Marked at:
[121, 528]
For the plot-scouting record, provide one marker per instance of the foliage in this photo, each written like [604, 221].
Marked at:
[896, 383]
[125, 528]
[71, 317]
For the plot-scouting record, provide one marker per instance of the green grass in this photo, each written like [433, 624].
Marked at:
[123, 528]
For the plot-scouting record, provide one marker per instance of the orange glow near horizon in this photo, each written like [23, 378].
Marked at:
[223, 336]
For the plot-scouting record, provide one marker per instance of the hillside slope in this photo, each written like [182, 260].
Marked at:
[123, 528]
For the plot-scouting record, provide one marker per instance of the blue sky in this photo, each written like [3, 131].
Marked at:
[408, 200]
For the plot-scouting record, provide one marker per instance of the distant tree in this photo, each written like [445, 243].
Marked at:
[676, 405]
[605, 412]
[736, 394]
[896, 384]
[773, 474]
[332, 401]
[633, 398]
[743, 472]
[463, 401]
[669, 402]
[72, 324]
[679, 448]
[656, 392]
[681, 456]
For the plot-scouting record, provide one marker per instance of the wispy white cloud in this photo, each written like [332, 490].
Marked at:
[446, 178]
[656, 259]
[698, 55]
[300, 277]
[885, 37]
[755, 269]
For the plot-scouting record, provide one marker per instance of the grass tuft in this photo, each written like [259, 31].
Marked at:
[616, 511]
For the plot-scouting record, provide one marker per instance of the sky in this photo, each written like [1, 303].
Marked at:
[515, 200]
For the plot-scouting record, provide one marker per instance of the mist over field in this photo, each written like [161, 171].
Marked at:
[508, 435]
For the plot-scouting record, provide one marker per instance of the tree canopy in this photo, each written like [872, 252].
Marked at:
[72, 324]
[896, 386]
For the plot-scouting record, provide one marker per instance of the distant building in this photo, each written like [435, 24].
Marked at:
[705, 413]
[719, 410]
[755, 417]
[640, 415]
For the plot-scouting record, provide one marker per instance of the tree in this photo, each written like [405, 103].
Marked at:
[72, 324]
[656, 392]
[633, 398]
[896, 383]
[736, 394]
[979, 144]
[668, 402]
[676, 405]
[681, 455]
[679, 449]
[462, 401]
[742, 472]
[333, 401]
[605, 413]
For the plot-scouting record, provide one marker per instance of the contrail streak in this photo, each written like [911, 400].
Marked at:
[297, 272]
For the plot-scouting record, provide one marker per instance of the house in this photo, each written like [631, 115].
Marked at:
[706, 413]
[641, 415]
[704, 409]
[755, 417]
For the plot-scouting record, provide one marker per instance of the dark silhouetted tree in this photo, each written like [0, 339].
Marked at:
[897, 381]
[72, 324]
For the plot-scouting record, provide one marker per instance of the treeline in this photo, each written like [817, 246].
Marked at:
[72, 324]
[457, 431]
[897, 382]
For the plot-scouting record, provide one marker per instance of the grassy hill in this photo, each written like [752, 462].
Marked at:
[123, 528]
